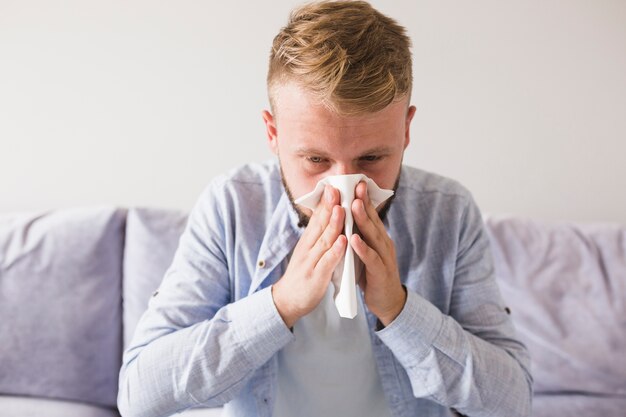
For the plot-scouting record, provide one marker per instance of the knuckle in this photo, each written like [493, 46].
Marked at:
[321, 212]
[315, 228]
[325, 242]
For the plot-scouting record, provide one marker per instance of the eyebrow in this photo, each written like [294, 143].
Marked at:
[309, 150]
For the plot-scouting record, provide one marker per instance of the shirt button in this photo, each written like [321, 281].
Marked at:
[261, 263]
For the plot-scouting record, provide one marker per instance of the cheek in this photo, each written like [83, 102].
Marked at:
[298, 179]
[384, 175]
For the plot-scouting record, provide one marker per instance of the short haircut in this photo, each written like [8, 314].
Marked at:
[346, 54]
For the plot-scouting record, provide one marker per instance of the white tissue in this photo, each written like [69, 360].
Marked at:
[344, 277]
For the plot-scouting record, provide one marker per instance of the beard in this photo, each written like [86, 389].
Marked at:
[303, 218]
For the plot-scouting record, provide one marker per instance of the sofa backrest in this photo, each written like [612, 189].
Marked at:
[566, 286]
[60, 304]
[151, 240]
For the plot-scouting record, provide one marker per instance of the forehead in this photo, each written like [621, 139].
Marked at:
[289, 98]
[303, 119]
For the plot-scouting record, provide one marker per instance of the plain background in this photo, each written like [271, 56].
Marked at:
[141, 103]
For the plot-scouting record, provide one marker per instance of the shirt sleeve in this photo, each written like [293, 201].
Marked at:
[193, 346]
[469, 359]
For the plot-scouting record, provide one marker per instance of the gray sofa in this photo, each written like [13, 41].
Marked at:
[73, 284]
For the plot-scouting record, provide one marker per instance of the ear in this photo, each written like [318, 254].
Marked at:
[407, 126]
[270, 129]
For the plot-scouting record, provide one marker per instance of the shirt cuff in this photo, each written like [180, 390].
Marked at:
[258, 326]
[410, 336]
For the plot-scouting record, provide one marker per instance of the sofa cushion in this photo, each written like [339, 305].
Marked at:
[578, 405]
[151, 241]
[60, 304]
[13, 406]
[566, 286]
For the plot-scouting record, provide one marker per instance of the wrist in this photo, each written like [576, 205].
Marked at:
[288, 314]
[389, 315]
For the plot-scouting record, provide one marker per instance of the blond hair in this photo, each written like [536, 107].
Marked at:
[346, 54]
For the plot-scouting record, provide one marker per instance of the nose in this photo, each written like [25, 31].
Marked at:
[342, 168]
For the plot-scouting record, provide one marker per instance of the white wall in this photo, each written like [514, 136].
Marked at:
[142, 102]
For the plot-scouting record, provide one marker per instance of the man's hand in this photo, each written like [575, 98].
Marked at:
[384, 294]
[314, 259]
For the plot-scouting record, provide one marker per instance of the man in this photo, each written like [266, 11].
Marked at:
[242, 316]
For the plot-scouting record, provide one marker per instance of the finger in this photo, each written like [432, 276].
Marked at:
[371, 259]
[365, 225]
[328, 237]
[373, 233]
[374, 266]
[331, 258]
[320, 217]
[361, 194]
[361, 190]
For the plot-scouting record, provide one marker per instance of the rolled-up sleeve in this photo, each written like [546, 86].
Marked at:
[194, 346]
[469, 358]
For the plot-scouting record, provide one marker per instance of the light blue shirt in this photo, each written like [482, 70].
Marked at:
[212, 334]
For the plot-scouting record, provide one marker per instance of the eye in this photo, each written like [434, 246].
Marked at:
[370, 158]
[315, 159]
